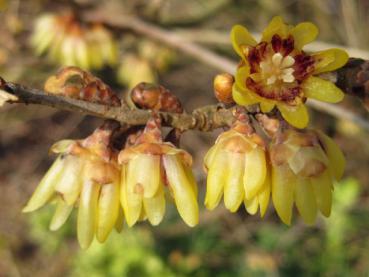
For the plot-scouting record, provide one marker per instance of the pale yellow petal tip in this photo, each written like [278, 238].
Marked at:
[28, 209]
[84, 245]
[102, 236]
[192, 222]
[210, 206]
[285, 219]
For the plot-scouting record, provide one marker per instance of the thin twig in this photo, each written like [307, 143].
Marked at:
[205, 118]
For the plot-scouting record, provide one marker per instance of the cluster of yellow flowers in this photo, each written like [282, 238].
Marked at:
[68, 42]
[294, 166]
[298, 166]
[107, 185]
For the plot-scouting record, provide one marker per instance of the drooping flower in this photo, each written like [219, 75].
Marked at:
[237, 167]
[85, 174]
[68, 42]
[148, 167]
[277, 72]
[304, 167]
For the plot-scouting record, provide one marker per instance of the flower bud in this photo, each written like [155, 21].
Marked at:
[76, 83]
[304, 166]
[155, 97]
[223, 87]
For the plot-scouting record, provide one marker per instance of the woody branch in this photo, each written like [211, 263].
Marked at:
[204, 118]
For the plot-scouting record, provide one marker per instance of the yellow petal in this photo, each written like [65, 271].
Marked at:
[305, 200]
[283, 187]
[244, 98]
[241, 76]
[69, 184]
[216, 180]
[87, 213]
[191, 178]
[183, 194]
[336, 158]
[108, 210]
[132, 192]
[264, 195]
[276, 26]
[61, 215]
[155, 206]
[322, 186]
[120, 221]
[255, 172]
[148, 173]
[297, 116]
[329, 60]
[303, 34]
[241, 36]
[209, 157]
[251, 205]
[61, 146]
[322, 90]
[233, 188]
[266, 106]
[46, 188]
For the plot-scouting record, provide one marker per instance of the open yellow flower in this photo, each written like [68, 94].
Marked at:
[237, 167]
[147, 168]
[277, 72]
[304, 167]
[85, 174]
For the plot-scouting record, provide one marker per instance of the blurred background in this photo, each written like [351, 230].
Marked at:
[223, 244]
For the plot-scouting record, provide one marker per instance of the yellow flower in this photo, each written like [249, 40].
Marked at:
[147, 168]
[86, 174]
[67, 42]
[304, 166]
[277, 72]
[237, 166]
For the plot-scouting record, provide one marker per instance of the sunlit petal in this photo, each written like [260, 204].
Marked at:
[329, 60]
[46, 188]
[87, 213]
[303, 34]
[61, 215]
[216, 180]
[233, 188]
[255, 172]
[183, 194]
[322, 90]
[108, 210]
[241, 36]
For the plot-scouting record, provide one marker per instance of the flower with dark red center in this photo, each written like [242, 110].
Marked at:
[277, 72]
